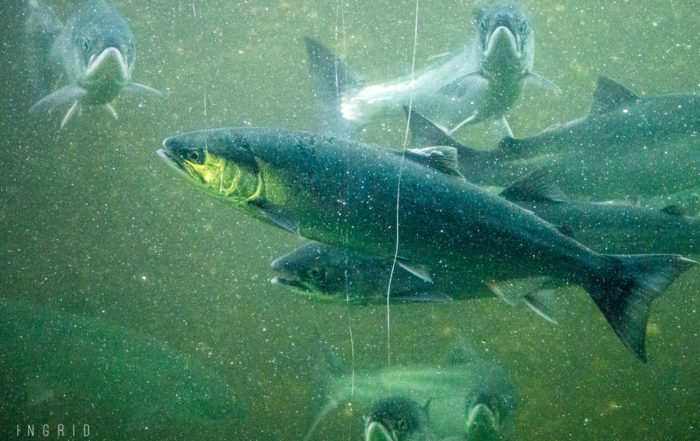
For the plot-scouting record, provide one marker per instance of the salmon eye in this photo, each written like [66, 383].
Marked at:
[193, 156]
[315, 272]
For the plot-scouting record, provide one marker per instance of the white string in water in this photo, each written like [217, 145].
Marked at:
[340, 11]
[206, 145]
[398, 192]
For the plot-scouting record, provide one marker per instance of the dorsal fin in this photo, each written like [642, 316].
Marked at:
[424, 133]
[426, 406]
[442, 158]
[610, 94]
[461, 352]
[534, 187]
[686, 205]
[331, 77]
[674, 210]
[566, 230]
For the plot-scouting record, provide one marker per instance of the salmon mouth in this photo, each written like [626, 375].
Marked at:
[178, 164]
[483, 413]
[110, 59]
[377, 430]
[503, 38]
[291, 283]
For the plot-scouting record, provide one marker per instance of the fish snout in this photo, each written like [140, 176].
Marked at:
[503, 42]
[110, 61]
[277, 264]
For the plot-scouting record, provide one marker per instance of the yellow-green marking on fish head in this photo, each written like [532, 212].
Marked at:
[222, 170]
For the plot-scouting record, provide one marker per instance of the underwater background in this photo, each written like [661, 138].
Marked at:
[95, 227]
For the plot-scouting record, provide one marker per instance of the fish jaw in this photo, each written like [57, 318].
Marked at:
[482, 422]
[179, 165]
[282, 265]
[376, 431]
[293, 284]
[106, 75]
[503, 41]
[298, 287]
[503, 51]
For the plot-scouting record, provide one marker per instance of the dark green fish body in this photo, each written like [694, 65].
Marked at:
[626, 146]
[609, 227]
[336, 274]
[95, 50]
[324, 272]
[56, 364]
[623, 229]
[344, 193]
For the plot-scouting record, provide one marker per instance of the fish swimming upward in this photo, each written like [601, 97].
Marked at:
[463, 396]
[344, 193]
[479, 83]
[397, 418]
[94, 52]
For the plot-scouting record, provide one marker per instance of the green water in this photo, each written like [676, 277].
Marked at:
[94, 224]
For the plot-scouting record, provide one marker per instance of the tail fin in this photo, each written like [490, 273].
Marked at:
[624, 295]
[41, 29]
[330, 78]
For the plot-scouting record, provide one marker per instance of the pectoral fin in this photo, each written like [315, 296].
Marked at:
[273, 217]
[541, 302]
[469, 85]
[70, 113]
[503, 127]
[111, 110]
[420, 271]
[513, 291]
[537, 80]
[58, 98]
[471, 119]
[142, 89]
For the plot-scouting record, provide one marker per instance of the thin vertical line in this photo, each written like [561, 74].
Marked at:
[398, 193]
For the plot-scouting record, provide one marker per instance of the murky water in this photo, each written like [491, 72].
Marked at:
[95, 226]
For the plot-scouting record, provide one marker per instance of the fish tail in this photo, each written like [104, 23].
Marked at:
[624, 288]
[42, 26]
[331, 78]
